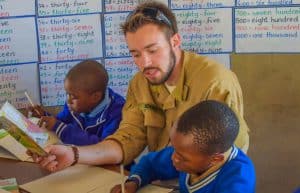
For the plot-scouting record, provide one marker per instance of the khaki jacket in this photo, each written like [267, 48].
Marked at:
[150, 110]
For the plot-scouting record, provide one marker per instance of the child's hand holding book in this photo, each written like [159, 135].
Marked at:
[47, 122]
[35, 111]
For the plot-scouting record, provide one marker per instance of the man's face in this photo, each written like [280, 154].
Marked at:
[78, 99]
[152, 53]
[186, 157]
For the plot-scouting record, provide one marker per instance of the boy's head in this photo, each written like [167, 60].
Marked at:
[151, 12]
[201, 136]
[85, 86]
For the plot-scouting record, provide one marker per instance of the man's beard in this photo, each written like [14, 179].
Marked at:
[169, 70]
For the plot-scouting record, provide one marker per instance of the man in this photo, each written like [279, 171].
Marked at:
[169, 82]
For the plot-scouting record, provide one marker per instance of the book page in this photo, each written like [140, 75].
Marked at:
[20, 138]
[10, 112]
[10, 148]
[15, 116]
[9, 145]
[14, 147]
[82, 179]
[14, 141]
[52, 137]
[29, 125]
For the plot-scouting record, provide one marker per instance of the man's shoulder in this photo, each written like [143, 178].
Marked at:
[205, 70]
[196, 62]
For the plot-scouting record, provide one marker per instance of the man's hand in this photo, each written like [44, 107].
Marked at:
[59, 157]
[130, 187]
[47, 122]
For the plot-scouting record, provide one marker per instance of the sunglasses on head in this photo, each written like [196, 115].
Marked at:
[154, 14]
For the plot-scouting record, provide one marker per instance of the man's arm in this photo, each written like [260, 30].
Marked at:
[61, 156]
[105, 152]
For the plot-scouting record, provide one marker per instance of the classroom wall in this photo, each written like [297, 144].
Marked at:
[270, 84]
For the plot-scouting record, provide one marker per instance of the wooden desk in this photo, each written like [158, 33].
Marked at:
[25, 172]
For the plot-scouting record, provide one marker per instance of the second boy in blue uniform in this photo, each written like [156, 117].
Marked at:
[92, 110]
[202, 155]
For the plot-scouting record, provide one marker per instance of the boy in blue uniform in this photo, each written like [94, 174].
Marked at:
[92, 110]
[203, 156]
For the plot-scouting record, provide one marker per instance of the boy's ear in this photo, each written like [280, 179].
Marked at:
[97, 96]
[217, 158]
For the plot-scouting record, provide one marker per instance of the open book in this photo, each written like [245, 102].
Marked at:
[19, 134]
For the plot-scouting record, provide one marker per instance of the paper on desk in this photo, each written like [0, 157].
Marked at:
[154, 189]
[81, 179]
[147, 189]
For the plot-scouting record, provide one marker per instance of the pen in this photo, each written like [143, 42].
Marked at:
[30, 101]
[122, 181]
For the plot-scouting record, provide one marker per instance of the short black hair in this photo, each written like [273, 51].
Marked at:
[89, 75]
[213, 124]
[137, 19]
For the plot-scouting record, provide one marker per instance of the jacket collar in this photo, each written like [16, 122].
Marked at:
[100, 107]
[180, 93]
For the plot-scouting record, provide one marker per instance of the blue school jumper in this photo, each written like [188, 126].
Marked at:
[86, 129]
[237, 175]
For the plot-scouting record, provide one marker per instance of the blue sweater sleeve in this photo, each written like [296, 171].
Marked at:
[72, 134]
[69, 132]
[155, 166]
